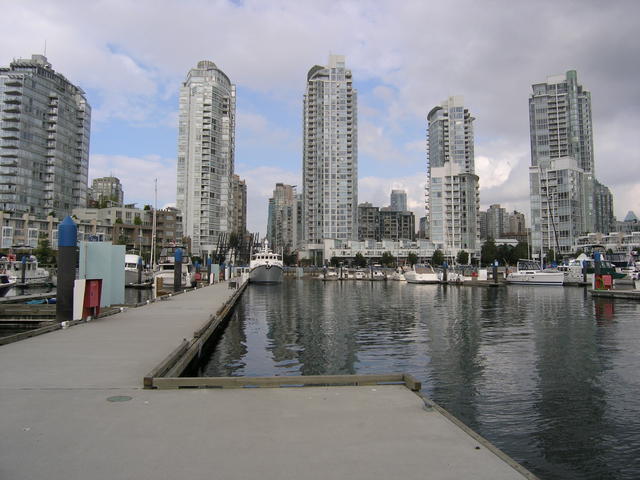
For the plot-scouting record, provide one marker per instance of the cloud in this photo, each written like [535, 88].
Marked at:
[261, 182]
[377, 191]
[132, 56]
[137, 175]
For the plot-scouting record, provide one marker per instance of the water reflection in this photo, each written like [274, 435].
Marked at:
[548, 374]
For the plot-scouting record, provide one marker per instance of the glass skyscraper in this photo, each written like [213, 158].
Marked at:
[330, 153]
[453, 199]
[45, 127]
[206, 148]
[561, 175]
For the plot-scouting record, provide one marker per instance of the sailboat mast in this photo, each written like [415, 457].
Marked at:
[153, 224]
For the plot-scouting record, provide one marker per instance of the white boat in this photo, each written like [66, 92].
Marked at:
[397, 275]
[33, 274]
[166, 267]
[528, 272]
[377, 275]
[131, 270]
[266, 266]
[422, 274]
[359, 275]
[5, 284]
[329, 275]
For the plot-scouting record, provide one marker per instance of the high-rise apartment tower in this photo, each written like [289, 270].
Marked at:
[398, 200]
[330, 153]
[561, 175]
[45, 124]
[453, 199]
[206, 147]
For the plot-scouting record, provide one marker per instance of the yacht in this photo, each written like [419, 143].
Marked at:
[33, 274]
[528, 272]
[131, 270]
[5, 284]
[422, 274]
[376, 275]
[397, 275]
[266, 266]
[166, 267]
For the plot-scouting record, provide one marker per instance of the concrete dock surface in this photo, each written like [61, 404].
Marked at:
[73, 407]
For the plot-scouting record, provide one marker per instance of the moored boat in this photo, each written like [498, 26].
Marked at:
[528, 272]
[166, 267]
[266, 266]
[131, 270]
[33, 275]
[422, 273]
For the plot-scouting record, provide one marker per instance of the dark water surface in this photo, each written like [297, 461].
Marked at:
[548, 374]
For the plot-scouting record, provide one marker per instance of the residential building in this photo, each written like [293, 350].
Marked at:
[453, 198]
[378, 224]
[423, 228]
[397, 225]
[239, 205]
[282, 222]
[482, 222]
[398, 200]
[605, 220]
[368, 222]
[107, 191]
[330, 155]
[206, 149]
[45, 125]
[562, 150]
[496, 220]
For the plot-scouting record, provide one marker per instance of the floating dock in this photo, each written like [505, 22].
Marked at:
[74, 405]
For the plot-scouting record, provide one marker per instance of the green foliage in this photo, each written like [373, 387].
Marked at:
[44, 253]
[290, 259]
[118, 220]
[489, 252]
[334, 262]
[437, 258]
[388, 260]
[462, 257]
[359, 260]
[551, 255]
[147, 207]
[412, 258]
[137, 221]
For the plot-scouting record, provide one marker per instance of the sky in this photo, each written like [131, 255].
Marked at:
[406, 57]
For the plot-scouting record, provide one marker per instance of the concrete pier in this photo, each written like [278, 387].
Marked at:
[74, 407]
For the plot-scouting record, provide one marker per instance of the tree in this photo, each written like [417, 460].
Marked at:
[118, 220]
[462, 257]
[387, 260]
[147, 207]
[359, 260]
[335, 261]
[521, 251]
[551, 256]
[44, 253]
[489, 252]
[137, 221]
[412, 258]
[437, 258]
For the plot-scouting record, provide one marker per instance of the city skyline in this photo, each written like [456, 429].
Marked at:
[493, 59]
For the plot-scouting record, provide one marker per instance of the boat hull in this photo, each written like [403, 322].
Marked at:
[412, 277]
[538, 278]
[266, 274]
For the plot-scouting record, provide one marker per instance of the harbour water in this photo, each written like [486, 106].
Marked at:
[547, 374]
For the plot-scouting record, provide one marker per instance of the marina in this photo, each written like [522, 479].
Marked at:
[372, 428]
[547, 374]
